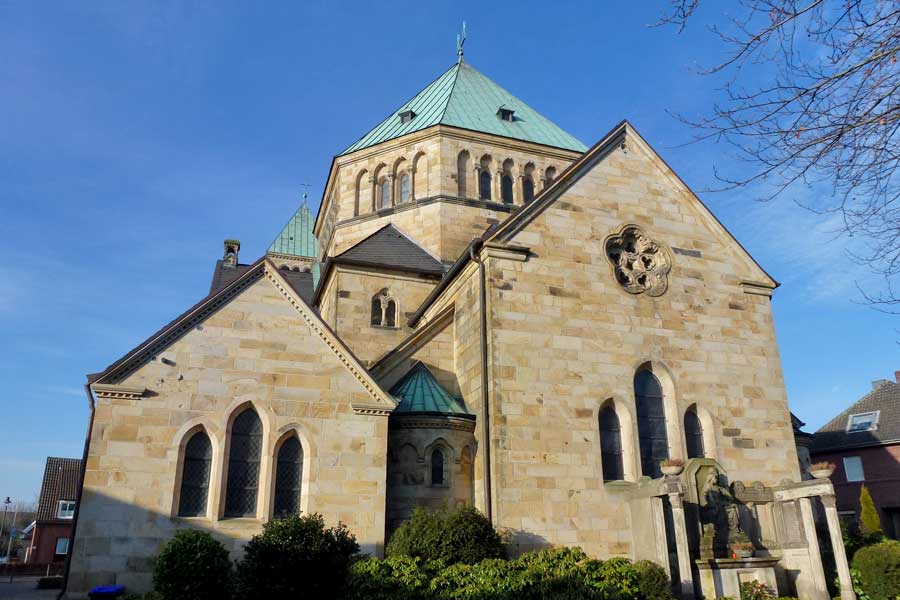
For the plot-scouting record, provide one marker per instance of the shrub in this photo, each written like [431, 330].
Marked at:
[296, 556]
[53, 582]
[755, 590]
[460, 536]
[869, 521]
[192, 566]
[879, 570]
[653, 582]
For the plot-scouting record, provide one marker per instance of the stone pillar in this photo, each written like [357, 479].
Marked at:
[412, 183]
[681, 543]
[659, 530]
[498, 187]
[391, 177]
[837, 546]
[373, 184]
[815, 555]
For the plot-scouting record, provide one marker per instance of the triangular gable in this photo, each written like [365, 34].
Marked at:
[390, 247]
[464, 97]
[621, 136]
[380, 402]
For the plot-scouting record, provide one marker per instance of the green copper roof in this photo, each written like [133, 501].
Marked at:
[297, 237]
[463, 97]
[419, 392]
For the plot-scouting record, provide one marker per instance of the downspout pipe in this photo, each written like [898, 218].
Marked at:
[84, 459]
[485, 408]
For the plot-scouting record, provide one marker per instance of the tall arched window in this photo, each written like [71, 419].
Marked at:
[390, 314]
[506, 188]
[693, 434]
[484, 184]
[404, 188]
[195, 476]
[243, 465]
[527, 189]
[437, 467]
[288, 477]
[611, 444]
[385, 194]
[651, 418]
[549, 176]
[462, 173]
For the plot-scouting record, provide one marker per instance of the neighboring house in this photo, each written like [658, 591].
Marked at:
[52, 528]
[864, 444]
[484, 313]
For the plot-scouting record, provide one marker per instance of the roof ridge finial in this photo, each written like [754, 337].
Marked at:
[460, 40]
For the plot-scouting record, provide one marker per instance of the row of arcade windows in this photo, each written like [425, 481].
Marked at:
[653, 439]
[485, 178]
[243, 460]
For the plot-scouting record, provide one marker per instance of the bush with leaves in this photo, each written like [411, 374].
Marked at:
[460, 536]
[653, 581]
[879, 570]
[755, 590]
[296, 556]
[869, 521]
[192, 566]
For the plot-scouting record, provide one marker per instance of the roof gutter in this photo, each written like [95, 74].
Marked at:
[485, 404]
[84, 459]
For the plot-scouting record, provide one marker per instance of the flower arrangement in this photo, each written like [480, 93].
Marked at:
[671, 466]
[821, 470]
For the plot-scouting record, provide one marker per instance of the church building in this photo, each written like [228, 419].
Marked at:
[483, 312]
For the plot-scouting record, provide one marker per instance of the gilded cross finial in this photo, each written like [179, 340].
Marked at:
[460, 40]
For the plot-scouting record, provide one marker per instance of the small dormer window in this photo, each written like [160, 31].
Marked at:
[867, 421]
[506, 114]
[406, 116]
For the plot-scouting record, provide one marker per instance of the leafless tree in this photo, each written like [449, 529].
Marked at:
[813, 99]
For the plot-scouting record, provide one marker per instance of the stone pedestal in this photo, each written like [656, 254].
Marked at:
[721, 577]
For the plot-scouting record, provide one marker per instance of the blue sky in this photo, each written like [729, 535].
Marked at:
[135, 137]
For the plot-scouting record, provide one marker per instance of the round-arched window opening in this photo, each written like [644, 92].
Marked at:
[437, 467]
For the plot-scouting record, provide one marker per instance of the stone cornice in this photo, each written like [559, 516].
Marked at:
[120, 392]
[757, 288]
[413, 421]
[383, 404]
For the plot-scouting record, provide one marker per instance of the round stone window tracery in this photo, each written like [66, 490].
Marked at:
[639, 263]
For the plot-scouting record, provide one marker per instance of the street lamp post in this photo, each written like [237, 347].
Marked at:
[6, 504]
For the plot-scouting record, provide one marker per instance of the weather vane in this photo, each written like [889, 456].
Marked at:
[460, 40]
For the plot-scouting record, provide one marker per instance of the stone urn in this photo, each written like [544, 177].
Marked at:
[821, 471]
[742, 550]
[671, 469]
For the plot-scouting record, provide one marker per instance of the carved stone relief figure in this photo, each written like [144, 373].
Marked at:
[640, 264]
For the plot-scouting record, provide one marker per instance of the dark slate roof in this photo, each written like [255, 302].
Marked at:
[419, 393]
[301, 282]
[884, 398]
[61, 478]
[389, 247]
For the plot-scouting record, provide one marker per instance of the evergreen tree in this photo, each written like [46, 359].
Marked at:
[870, 522]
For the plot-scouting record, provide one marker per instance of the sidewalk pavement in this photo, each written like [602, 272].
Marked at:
[23, 588]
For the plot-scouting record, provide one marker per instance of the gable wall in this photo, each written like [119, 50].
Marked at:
[255, 349]
[565, 337]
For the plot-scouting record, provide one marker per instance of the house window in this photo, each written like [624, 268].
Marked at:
[404, 188]
[288, 478]
[651, 418]
[384, 310]
[527, 189]
[62, 546]
[693, 434]
[437, 467]
[506, 189]
[195, 476]
[867, 421]
[853, 468]
[66, 509]
[243, 465]
[611, 444]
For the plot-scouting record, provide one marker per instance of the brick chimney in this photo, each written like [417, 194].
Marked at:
[230, 259]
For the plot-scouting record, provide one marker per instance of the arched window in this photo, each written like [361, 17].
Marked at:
[462, 173]
[404, 188]
[506, 188]
[288, 477]
[693, 434]
[243, 465]
[527, 189]
[385, 193]
[437, 467]
[384, 310]
[549, 176]
[651, 418]
[484, 184]
[611, 444]
[195, 476]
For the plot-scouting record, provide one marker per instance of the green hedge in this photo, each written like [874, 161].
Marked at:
[879, 570]
[460, 536]
[557, 573]
[192, 566]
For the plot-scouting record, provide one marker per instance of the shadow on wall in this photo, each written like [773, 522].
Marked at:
[519, 541]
